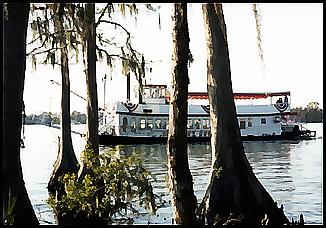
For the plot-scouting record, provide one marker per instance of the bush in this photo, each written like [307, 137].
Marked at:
[126, 182]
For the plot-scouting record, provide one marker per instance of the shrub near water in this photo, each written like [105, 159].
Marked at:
[125, 183]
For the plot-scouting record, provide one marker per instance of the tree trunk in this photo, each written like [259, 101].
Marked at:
[234, 194]
[141, 75]
[66, 160]
[90, 72]
[180, 179]
[92, 101]
[14, 32]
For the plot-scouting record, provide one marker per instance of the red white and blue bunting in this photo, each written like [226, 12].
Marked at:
[281, 106]
[205, 108]
[130, 106]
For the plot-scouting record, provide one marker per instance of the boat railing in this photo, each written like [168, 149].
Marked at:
[306, 132]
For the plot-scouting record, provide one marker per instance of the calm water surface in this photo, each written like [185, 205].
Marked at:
[290, 171]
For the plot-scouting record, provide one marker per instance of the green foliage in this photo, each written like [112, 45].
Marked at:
[51, 24]
[310, 114]
[218, 171]
[48, 29]
[125, 183]
[313, 105]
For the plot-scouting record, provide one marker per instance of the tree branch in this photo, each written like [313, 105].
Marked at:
[111, 55]
[107, 41]
[128, 33]
[102, 14]
[117, 24]
[50, 34]
[42, 52]
[31, 52]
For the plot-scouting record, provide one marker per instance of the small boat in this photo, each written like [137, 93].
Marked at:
[147, 121]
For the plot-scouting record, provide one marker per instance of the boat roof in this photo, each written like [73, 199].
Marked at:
[239, 96]
[236, 95]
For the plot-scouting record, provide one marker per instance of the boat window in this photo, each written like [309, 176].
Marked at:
[263, 121]
[142, 123]
[162, 93]
[242, 124]
[133, 124]
[124, 124]
[147, 110]
[156, 93]
[147, 93]
[205, 124]
[150, 124]
[249, 122]
[158, 123]
[189, 124]
[164, 125]
[197, 123]
[277, 119]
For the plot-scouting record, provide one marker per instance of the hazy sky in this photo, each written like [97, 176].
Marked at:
[292, 37]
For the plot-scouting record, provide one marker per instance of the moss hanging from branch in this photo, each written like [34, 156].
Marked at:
[258, 30]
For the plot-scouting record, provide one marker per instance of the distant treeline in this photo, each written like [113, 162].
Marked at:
[54, 118]
[310, 114]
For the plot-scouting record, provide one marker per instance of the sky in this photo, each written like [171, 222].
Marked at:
[292, 42]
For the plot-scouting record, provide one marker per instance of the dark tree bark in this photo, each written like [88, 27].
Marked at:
[184, 201]
[66, 160]
[90, 64]
[14, 34]
[141, 75]
[89, 58]
[234, 194]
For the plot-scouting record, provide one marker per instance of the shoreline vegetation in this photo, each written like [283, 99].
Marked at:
[54, 118]
[310, 114]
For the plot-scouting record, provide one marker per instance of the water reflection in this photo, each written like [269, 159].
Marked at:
[267, 157]
[271, 162]
[290, 171]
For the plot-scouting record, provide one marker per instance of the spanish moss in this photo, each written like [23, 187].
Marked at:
[257, 14]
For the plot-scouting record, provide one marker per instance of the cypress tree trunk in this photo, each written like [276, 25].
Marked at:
[89, 58]
[180, 179]
[66, 160]
[140, 81]
[14, 33]
[234, 194]
[90, 64]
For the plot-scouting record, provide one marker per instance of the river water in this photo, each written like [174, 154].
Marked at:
[291, 171]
